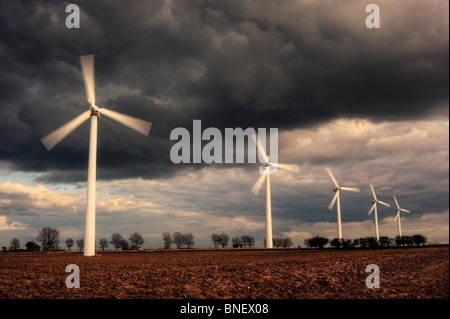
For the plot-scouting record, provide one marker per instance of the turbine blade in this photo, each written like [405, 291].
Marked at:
[136, 124]
[288, 167]
[373, 207]
[373, 192]
[396, 216]
[395, 199]
[332, 177]
[60, 133]
[260, 147]
[385, 204]
[351, 189]
[405, 210]
[87, 67]
[330, 207]
[257, 186]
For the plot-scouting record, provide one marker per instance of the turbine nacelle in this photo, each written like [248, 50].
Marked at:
[95, 111]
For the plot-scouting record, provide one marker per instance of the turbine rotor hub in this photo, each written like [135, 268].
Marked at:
[94, 111]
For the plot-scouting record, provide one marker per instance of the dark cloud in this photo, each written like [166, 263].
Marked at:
[288, 64]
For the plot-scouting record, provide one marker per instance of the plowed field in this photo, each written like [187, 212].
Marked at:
[217, 274]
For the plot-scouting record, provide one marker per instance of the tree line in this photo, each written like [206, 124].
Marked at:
[48, 239]
[367, 242]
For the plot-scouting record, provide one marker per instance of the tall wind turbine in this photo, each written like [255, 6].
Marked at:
[49, 141]
[375, 201]
[337, 197]
[398, 210]
[265, 170]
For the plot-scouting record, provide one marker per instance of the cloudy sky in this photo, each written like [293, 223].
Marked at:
[372, 104]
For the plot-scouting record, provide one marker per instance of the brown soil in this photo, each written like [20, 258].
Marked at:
[218, 274]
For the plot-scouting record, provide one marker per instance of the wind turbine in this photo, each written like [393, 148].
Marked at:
[49, 141]
[374, 207]
[336, 197]
[398, 210]
[265, 170]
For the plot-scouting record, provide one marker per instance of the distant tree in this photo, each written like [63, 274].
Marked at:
[124, 244]
[371, 242]
[248, 240]
[103, 243]
[188, 239]
[404, 241]
[167, 238]
[49, 238]
[287, 242]
[316, 242]
[419, 240]
[178, 239]
[385, 241]
[223, 240]
[32, 246]
[355, 243]
[69, 243]
[14, 244]
[336, 243]
[277, 242]
[80, 243]
[341, 243]
[116, 240]
[346, 243]
[215, 238]
[136, 240]
[236, 242]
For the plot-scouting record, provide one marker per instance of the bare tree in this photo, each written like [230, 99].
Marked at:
[236, 242]
[69, 243]
[80, 244]
[188, 240]
[178, 239]
[277, 242]
[248, 240]
[124, 244]
[136, 240]
[49, 238]
[103, 243]
[287, 242]
[223, 240]
[14, 244]
[167, 238]
[215, 239]
[116, 238]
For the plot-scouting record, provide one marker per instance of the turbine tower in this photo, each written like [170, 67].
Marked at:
[265, 171]
[375, 201]
[337, 197]
[398, 210]
[49, 141]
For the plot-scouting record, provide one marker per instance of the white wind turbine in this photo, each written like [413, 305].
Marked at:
[49, 141]
[337, 197]
[265, 171]
[375, 201]
[398, 210]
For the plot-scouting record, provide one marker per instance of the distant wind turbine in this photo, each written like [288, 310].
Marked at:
[398, 210]
[49, 141]
[265, 171]
[375, 201]
[336, 197]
